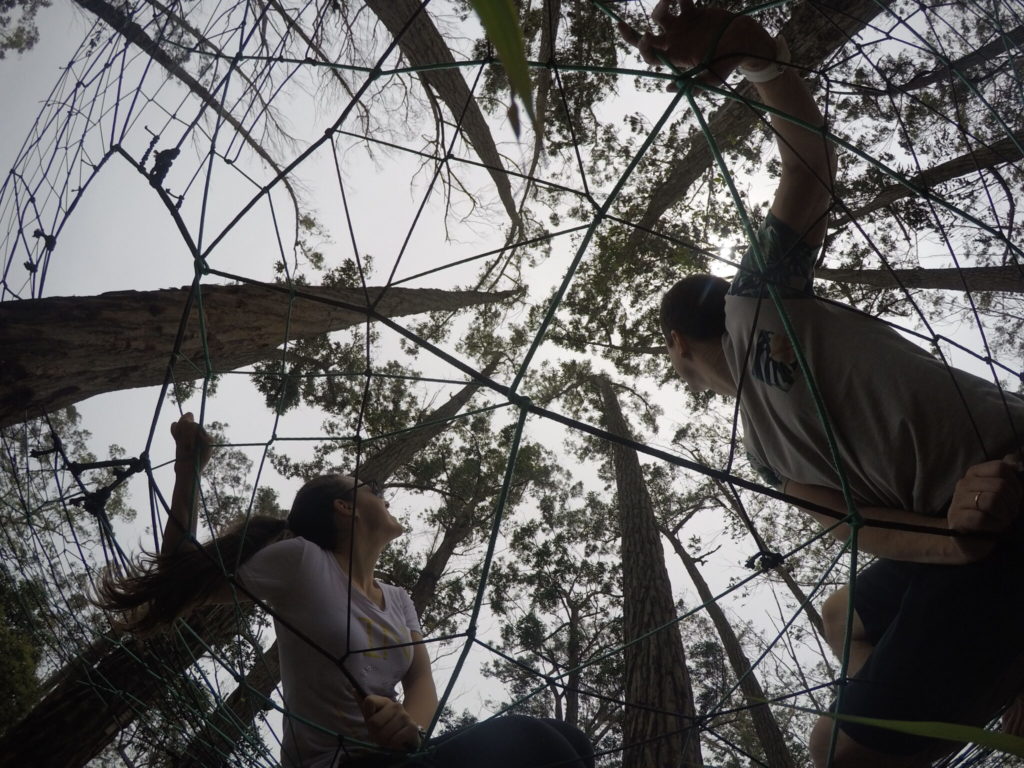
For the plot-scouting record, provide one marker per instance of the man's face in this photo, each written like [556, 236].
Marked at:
[688, 366]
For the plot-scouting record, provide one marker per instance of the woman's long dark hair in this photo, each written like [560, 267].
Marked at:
[160, 588]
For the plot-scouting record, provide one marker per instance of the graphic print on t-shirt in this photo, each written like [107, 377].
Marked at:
[378, 637]
[774, 360]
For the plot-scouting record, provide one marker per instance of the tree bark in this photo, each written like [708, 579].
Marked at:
[422, 45]
[658, 722]
[1000, 152]
[234, 716]
[1008, 279]
[814, 32]
[425, 588]
[58, 351]
[801, 599]
[1003, 44]
[102, 691]
[773, 742]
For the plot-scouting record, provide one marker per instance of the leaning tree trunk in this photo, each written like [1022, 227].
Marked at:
[1004, 45]
[802, 600]
[104, 689]
[422, 44]
[780, 570]
[233, 718]
[814, 32]
[1001, 152]
[455, 534]
[1008, 279]
[776, 750]
[658, 721]
[57, 351]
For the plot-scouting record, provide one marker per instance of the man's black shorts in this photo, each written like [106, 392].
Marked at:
[942, 635]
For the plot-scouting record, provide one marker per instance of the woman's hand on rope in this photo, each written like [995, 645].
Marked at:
[987, 500]
[192, 445]
[717, 39]
[390, 726]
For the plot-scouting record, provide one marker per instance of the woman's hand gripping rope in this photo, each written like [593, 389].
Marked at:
[390, 726]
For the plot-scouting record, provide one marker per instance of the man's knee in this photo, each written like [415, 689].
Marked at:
[834, 612]
[821, 734]
[847, 753]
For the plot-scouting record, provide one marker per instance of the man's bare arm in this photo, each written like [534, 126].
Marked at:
[986, 502]
[804, 195]
[721, 41]
[885, 542]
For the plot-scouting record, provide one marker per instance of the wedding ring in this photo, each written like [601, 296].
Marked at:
[976, 497]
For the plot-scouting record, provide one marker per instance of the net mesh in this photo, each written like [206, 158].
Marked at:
[269, 150]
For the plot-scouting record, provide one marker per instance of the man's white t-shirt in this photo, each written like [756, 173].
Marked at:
[907, 427]
[309, 592]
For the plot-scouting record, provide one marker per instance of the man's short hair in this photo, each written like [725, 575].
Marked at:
[695, 308]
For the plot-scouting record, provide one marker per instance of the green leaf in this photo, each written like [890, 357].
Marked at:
[502, 27]
[1004, 742]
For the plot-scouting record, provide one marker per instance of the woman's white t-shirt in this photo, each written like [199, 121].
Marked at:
[322, 624]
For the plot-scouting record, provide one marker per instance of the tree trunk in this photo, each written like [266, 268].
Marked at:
[814, 32]
[423, 590]
[658, 724]
[550, 16]
[1000, 152]
[385, 462]
[1001, 46]
[422, 45]
[235, 714]
[574, 658]
[234, 717]
[58, 351]
[103, 690]
[801, 599]
[1008, 279]
[776, 750]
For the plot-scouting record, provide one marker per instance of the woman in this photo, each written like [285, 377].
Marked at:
[345, 640]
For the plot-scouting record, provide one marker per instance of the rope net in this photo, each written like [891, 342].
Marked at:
[354, 169]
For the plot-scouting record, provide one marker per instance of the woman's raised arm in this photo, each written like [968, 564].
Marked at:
[192, 451]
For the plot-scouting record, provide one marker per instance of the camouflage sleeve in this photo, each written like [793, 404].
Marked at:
[779, 257]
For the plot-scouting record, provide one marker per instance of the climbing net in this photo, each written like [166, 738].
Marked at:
[356, 169]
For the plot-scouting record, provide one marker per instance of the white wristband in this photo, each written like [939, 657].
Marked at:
[774, 68]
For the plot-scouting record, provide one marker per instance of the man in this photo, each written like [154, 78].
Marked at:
[938, 620]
